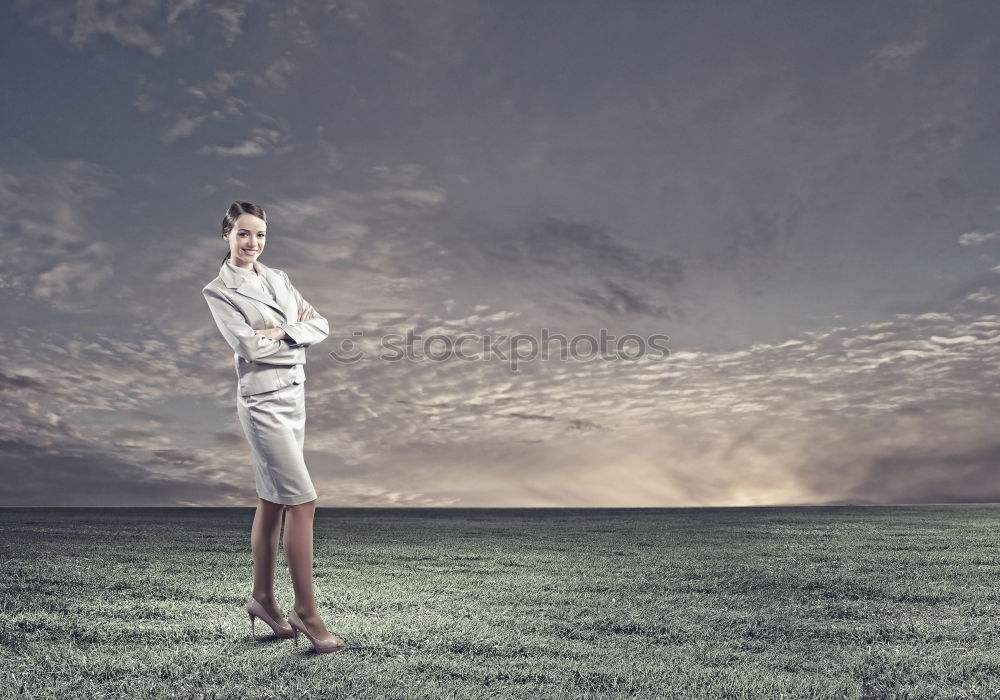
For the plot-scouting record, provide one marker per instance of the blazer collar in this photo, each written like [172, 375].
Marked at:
[246, 286]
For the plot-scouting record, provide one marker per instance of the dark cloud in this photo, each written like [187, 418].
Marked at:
[33, 476]
[16, 381]
[926, 474]
[527, 416]
[591, 250]
[614, 299]
[788, 199]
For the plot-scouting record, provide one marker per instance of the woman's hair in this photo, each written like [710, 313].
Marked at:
[235, 209]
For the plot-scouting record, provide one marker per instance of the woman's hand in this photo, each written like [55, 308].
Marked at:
[272, 333]
[279, 333]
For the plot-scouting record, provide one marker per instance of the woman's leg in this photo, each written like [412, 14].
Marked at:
[299, 552]
[264, 542]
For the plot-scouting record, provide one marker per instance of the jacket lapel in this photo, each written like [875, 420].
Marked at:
[247, 288]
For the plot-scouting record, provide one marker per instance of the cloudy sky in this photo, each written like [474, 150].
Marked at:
[802, 195]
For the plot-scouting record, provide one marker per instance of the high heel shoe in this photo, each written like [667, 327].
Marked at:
[324, 647]
[255, 609]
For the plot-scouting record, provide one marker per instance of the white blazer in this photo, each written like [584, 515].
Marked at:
[239, 308]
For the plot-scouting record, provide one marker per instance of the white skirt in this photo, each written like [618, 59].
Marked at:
[275, 423]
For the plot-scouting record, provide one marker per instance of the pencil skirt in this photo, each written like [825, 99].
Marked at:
[275, 423]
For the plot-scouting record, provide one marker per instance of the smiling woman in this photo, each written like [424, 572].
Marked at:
[250, 224]
[269, 325]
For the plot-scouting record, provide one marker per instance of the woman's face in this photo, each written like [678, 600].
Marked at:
[246, 240]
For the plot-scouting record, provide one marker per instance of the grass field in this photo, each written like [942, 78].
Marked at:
[810, 602]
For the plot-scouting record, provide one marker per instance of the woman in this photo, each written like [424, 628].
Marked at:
[269, 325]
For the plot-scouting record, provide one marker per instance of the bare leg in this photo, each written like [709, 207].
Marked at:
[299, 552]
[264, 542]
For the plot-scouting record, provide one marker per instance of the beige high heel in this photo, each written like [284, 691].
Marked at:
[324, 647]
[255, 609]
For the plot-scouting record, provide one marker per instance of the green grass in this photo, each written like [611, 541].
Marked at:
[812, 602]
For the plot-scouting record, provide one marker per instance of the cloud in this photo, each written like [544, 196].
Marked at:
[826, 415]
[541, 184]
[69, 280]
[431, 33]
[137, 24]
[616, 300]
[230, 14]
[185, 105]
[979, 290]
[261, 142]
[597, 271]
[805, 419]
[183, 126]
[974, 238]
[948, 470]
[898, 55]
[279, 70]
[50, 253]
[84, 478]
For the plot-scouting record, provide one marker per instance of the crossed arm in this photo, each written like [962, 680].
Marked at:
[310, 327]
[279, 332]
[268, 345]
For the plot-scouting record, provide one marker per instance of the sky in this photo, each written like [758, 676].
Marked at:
[801, 196]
